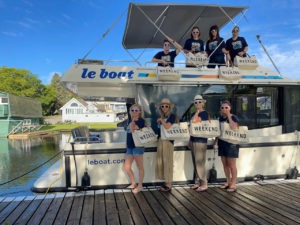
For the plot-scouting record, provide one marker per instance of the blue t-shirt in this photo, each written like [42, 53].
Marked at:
[170, 57]
[204, 116]
[198, 45]
[140, 123]
[236, 46]
[211, 45]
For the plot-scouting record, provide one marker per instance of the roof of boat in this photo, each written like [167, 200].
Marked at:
[146, 21]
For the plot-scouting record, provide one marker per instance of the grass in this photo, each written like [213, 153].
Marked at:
[70, 126]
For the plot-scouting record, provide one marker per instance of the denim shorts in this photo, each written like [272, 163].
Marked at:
[135, 151]
[227, 149]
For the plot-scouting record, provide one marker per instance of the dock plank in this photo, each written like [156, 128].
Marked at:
[270, 208]
[112, 214]
[88, 210]
[264, 202]
[99, 209]
[40, 212]
[8, 210]
[52, 211]
[124, 212]
[198, 207]
[157, 208]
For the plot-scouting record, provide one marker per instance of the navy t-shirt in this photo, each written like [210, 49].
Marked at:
[170, 57]
[198, 45]
[204, 116]
[140, 123]
[211, 45]
[236, 46]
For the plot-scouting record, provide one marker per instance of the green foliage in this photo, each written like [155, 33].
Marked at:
[20, 82]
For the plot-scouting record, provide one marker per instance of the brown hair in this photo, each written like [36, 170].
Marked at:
[214, 27]
[196, 27]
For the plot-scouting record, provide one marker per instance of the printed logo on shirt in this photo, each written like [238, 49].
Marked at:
[213, 45]
[166, 58]
[237, 45]
[196, 46]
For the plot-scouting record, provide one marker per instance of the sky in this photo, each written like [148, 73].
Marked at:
[47, 37]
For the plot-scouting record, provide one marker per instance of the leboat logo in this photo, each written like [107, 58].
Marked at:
[105, 74]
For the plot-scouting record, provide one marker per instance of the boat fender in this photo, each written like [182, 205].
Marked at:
[258, 177]
[292, 173]
[212, 175]
[85, 180]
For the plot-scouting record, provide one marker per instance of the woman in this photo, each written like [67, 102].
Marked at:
[134, 153]
[215, 47]
[228, 152]
[167, 57]
[199, 146]
[236, 45]
[194, 44]
[165, 148]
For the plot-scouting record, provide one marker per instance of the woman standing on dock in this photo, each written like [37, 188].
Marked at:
[134, 153]
[229, 152]
[165, 148]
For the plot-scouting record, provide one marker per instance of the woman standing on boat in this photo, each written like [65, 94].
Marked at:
[236, 45]
[165, 148]
[194, 44]
[167, 57]
[228, 152]
[134, 153]
[215, 47]
[199, 146]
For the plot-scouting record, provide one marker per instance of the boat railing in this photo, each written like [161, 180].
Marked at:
[183, 64]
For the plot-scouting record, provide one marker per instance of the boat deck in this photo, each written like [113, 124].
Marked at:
[263, 202]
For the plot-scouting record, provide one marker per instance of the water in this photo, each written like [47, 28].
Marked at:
[17, 157]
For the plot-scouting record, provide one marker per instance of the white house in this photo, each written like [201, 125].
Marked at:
[84, 111]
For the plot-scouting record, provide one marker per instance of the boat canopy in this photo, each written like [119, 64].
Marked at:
[149, 24]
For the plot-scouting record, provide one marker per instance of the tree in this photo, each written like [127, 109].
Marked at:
[62, 94]
[20, 82]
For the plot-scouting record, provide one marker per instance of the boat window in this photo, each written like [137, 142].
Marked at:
[256, 107]
[291, 108]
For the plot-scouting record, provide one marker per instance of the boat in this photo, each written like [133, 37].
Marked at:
[264, 101]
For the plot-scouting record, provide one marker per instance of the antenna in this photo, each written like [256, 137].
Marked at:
[258, 38]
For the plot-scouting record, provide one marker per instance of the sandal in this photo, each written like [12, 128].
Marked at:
[137, 190]
[131, 186]
[231, 189]
[224, 186]
[202, 188]
[195, 186]
[165, 188]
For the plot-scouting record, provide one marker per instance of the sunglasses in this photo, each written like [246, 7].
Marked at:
[225, 107]
[166, 44]
[195, 32]
[213, 31]
[135, 110]
[197, 102]
[235, 31]
[164, 106]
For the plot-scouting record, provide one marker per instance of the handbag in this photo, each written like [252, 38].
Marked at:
[198, 59]
[229, 73]
[249, 62]
[167, 73]
[175, 132]
[205, 129]
[144, 136]
[236, 136]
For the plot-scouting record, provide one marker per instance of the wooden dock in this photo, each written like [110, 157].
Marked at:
[265, 202]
